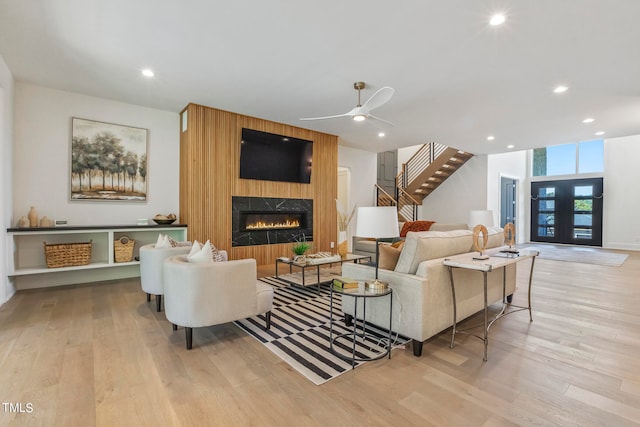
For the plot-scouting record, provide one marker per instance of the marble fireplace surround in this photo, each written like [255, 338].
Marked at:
[301, 209]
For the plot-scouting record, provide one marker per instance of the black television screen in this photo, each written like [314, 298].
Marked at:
[271, 157]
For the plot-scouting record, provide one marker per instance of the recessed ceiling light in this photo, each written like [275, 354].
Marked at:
[497, 19]
[599, 133]
[491, 138]
[560, 89]
[589, 120]
[381, 134]
[510, 146]
[147, 72]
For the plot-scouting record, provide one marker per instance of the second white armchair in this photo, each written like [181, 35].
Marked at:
[212, 293]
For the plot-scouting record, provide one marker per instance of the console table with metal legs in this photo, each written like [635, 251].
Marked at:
[496, 261]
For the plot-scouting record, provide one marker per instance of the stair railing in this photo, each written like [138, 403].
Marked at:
[383, 198]
[418, 163]
[407, 205]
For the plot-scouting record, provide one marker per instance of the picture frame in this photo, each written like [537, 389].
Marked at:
[108, 162]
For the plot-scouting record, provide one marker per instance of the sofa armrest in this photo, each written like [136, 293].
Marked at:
[409, 295]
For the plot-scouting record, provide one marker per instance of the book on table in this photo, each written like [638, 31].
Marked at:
[344, 283]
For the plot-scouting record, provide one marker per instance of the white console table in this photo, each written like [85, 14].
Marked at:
[496, 260]
[25, 247]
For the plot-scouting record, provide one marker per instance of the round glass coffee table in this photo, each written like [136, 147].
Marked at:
[361, 344]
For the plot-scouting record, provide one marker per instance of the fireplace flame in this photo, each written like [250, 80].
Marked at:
[261, 225]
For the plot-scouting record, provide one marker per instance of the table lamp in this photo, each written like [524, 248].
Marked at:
[377, 222]
[480, 217]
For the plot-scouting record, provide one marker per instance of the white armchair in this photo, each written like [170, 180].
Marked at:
[151, 273]
[207, 294]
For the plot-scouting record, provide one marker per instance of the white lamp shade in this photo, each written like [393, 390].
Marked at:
[480, 217]
[377, 222]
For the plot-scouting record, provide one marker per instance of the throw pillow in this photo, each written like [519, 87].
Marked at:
[163, 242]
[415, 226]
[388, 257]
[205, 254]
[216, 254]
[195, 248]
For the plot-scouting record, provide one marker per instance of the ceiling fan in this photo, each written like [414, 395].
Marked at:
[363, 112]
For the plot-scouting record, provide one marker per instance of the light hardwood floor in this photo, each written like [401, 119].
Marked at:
[99, 354]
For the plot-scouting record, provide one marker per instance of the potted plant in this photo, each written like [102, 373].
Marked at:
[299, 248]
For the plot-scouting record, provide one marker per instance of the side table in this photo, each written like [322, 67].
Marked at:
[495, 261]
[362, 338]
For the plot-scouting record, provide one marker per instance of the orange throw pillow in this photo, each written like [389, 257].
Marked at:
[415, 226]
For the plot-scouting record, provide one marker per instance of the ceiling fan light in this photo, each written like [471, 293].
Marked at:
[359, 118]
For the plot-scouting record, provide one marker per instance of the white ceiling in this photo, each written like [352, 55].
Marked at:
[457, 79]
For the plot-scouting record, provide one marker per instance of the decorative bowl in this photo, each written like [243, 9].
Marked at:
[164, 221]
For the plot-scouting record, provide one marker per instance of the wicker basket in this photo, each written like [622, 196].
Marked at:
[67, 254]
[123, 249]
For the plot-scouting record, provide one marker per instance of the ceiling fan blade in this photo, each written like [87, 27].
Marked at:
[371, 116]
[381, 96]
[328, 117]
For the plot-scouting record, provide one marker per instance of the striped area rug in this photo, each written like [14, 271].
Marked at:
[299, 332]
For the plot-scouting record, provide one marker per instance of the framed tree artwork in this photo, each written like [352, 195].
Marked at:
[108, 161]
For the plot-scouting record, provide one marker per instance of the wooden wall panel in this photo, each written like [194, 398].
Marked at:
[209, 177]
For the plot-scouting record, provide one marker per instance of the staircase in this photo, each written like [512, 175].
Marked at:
[429, 167]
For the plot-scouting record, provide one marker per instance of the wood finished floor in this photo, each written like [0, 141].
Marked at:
[99, 354]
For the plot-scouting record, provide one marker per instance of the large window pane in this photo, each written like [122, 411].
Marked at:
[561, 160]
[591, 156]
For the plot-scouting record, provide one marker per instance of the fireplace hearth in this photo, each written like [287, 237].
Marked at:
[269, 220]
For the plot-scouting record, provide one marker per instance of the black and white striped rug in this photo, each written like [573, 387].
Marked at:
[299, 332]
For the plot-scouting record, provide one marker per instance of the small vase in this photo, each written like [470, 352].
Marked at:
[23, 222]
[343, 245]
[45, 222]
[33, 217]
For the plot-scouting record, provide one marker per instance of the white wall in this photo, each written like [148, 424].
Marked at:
[42, 157]
[621, 228]
[363, 168]
[7, 288]
[462, 192]
[404, 154]
[511, 165]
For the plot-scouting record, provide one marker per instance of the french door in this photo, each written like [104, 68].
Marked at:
[567, 211]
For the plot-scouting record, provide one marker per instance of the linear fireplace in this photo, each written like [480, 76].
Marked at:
[272, 220]
[269, 220]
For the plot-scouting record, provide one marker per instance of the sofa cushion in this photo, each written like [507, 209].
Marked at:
[496, 237]
[415, 226]
[444, 226]
[389, 255]
[425, 245]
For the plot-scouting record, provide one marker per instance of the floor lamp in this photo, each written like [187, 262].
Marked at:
[377, 222]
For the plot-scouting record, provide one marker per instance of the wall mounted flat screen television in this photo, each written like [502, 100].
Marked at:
[271, 157]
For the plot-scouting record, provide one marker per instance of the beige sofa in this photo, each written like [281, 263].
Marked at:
[363, 246]
[422, 300]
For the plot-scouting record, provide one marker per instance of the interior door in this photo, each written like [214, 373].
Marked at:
[567, 211]
[508, 201]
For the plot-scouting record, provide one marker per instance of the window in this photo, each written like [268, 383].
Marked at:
[569, 159]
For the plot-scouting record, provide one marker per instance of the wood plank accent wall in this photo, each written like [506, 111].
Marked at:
[209, 177]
